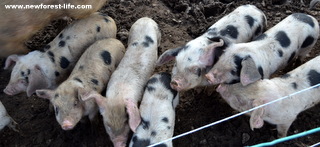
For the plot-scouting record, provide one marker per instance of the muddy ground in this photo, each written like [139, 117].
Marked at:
[179, 21]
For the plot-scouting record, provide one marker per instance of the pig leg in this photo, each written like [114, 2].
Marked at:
[283, 129]
[256, 120]
[13, 125]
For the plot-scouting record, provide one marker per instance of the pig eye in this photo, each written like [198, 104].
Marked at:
[76, 103]
[196, 71]
[56, 109]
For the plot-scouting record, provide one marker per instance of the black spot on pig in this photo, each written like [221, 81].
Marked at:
[258, 30]
[56, 95]
[95, 81]
[230, 30]
[22, 73]
[153, 133]
[237, 61]
[313, 77]
[51, 56]
[260, 69]
[47, 47]
[147, 41]
[106, 57]
[140, 142]
[285, 76]
[64, 62]
[68, 37]
[168, 127]
[165, 119]
[81, 67]
[304, 18]
[283, 39]
[98, 28]
[134, 44]
[61, 36]
[308, 41]
[280, 53]
[165, 78]
[212, 31]
[150, 88]
[294, 85]
[106, 19]
[77, 79]
[57, 73]
[261, 37]
[103, 14]
[250, 20]
[62, 43]
[161, 145]
[291, 57]
[145, 124]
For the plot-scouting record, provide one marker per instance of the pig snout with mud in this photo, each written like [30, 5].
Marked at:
[45, 70]
[5, 119]
[195, 58]
[281, 113]
[157, 110]
[126, 86]
[18, 25]
[91, 73]
[248, 62]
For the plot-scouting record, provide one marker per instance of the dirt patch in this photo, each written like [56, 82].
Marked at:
[179, 21]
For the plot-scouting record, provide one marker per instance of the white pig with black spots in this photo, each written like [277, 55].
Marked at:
[91, 73]
[281, 113]
[157, 110]
[120, 106]
[197, 56]
[248, 62]
[38, 70]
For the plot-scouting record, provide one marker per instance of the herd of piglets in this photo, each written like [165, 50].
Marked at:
[235, 52]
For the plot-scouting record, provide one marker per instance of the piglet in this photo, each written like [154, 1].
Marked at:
[18, 25]
[5, 119]
[119, 109]
[281, 113]
[45, 70]
[248, 62]
[91, 73]
[157, 110]
[194, 59]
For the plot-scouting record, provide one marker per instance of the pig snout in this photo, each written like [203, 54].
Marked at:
[119, 141]
[211, 79]
[67, 125]
[13, 89]
[178, 84]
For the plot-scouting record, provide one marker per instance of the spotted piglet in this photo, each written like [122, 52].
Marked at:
[91, 73]
[281, 113]
[47, 69]
[293, 37]
[195, 58]
[157, 110]
[5, 119]
[119, 109]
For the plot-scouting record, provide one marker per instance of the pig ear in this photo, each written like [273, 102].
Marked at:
[212, 52]
[37, 80]
[45, 93]
[11, 60]
[256, 120]
[249, 72]
[134, 114]
[87, 95]
[168, 55]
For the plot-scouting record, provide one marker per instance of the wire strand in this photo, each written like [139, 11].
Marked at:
[233, 116]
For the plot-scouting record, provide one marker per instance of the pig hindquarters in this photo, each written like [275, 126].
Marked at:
[18, 25]
[47, 69]
[248, 62]
[281, 113]
[194, 59]
[91, 73]
[119, 109]
[157, 110]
